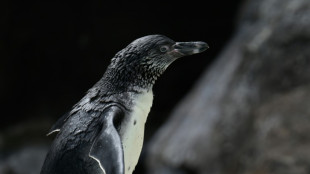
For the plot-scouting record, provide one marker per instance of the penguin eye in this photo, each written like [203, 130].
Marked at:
[163, 49]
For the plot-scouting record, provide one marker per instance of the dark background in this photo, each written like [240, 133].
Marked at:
[52, 52]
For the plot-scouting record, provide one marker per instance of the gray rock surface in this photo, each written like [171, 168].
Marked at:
[23, 147]
[27, 160]
[249, 113]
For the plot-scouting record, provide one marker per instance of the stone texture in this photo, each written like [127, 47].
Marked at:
[249, 111]
[23, 147]
[27, 160]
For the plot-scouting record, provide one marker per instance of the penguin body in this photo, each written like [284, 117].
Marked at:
[132, 130]
[103, 133]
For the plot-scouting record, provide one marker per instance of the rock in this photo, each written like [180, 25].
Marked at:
[281, 135]
[23, 147]
[27, 160]
[250, 109]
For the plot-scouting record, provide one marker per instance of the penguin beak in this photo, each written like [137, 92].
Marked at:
[181, 49]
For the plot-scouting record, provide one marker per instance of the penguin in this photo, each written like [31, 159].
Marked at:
[103, 133]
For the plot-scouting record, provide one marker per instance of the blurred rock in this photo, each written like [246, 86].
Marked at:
[249, 113]
[281, 134]
[27, 160]
[23, 146]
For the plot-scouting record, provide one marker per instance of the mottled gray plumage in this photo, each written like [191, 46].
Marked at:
[92, 137]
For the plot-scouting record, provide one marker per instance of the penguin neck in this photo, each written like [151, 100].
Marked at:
[128, 80]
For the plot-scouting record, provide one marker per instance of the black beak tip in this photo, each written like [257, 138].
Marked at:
[206, 46]
[203, 46]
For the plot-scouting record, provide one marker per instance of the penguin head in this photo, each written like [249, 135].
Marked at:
[146, 58]
[157, 52]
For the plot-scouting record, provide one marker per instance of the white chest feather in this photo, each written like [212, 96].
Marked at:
[132, 131]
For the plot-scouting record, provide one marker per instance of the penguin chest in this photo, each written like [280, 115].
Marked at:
[132, 130]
